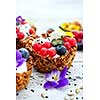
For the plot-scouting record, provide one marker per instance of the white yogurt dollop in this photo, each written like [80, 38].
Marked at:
[22, 68]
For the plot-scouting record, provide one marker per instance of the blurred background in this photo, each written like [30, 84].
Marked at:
[50, 13]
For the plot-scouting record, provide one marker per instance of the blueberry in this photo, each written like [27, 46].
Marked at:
[61, 50]
[25, 53]
[80, 46]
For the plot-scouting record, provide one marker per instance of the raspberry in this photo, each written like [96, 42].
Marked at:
[20, 35]
[65, 39]
[67, 45]
[47, 45]
[17, 30]
[51, 52]
[76, 34]
[43, 51]
[37, 47]
[80, 35]
[72, 42]
[31, 31]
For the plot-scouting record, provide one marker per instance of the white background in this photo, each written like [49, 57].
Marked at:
[50, 13]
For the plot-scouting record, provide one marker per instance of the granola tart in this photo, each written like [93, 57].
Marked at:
[51, 51]
[23, 70]
[24, 28]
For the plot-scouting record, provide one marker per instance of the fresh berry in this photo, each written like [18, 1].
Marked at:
[17, 30]
[72, 42]
[25, 53]
[65, 39]
[80, 46]
[47, 45]
[31, 31]
[76, 34]
[61, 50]
[20, 35]
[56, 42]
[79, 40]
[67, 45]
[37, 46]
[43, 51]
[80, 35]
[51, 52]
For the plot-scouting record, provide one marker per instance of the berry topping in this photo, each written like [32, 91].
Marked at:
[17, 30]
[56, 42]
[43, 51]
[47, 45]
[25, 53]
[65, 39]
[51, 52]
[80, 35]
[80, 46]
[20, 35]
[31, 31]
[61, 50]
[67, 45]
[37, 46]
[72, 42]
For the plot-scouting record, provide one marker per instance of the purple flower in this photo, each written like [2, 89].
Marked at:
[19, 19]
[56, 79]
[19, 59]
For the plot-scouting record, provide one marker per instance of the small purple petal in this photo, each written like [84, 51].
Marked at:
[23, 20]
[20, 62]
[18, 55]
[63, 73]
[50, 84]
[62, 83]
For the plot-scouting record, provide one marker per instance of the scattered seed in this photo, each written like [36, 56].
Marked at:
[25, 88]
[70, 90]
[32, 90]
[41, 84]
[82, 97]
[42, 95]
[70, 94]
[74, 79]
[46, 96]
[76, 97]
[78, 77]
[46, 89]
[65, 98]
[77, 91]
[81, 87]
[75, 84]
[69, 77]
[17, 94]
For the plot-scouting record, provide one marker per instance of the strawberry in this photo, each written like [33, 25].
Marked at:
[43, 51]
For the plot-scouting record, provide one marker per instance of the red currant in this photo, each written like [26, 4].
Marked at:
[37, 47]
[20, 35]
[51, 52]
[47, 45]
[67, 45]
[31, 31]
[43, 51]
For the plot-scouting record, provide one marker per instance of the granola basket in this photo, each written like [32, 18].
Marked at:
[22, 79]
[47, 64]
